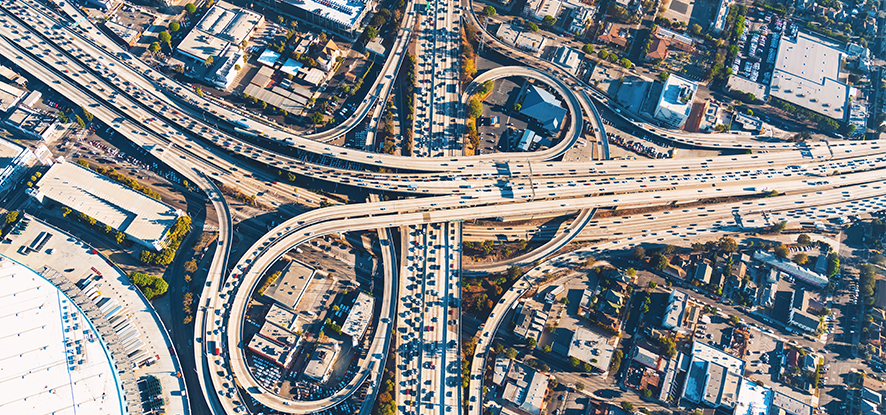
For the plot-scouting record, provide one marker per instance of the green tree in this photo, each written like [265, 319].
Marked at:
[549, 20]
[208, 61]
[638, 253]
[154, 47]
[317, 118]
[11, 216]
[533, 27]
[627, 64]
[801, 258]
[804, 239]
[627, 406]
[120, 237]
[475, 108]
[371, 32]
[546, 348]
[174, 27]
[782, 251]
[531, 343]
[653, 284]
[489, 11]
[834, 265]
[86, 114]
[659, 262]
[511, 353]
[65, 211]
[191, 8]
[603, 54]
[734, 319]
[574, 362]
[588, 48]
[80, 121]
[166, 38]
[668, 348]
[726, 244]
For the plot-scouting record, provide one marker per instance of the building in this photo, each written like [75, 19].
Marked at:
[567, 58]
[807, 73]
[53, 360]
[125, 35]
[782, 404]
[278, 334]
[792, 269]
[268, 58]
[344, 17]
[582, 16]
[803, 320]
[14, 161]
[592, 347]
[879, 291]
[11, 76]
[719, 22]
[529, 322]
[377, 51]
[658, 49]
[218, 35]
[741, 84]
[143, 219]
[9, 96]
[675, 102]
[272, 351]
[319, 366]
[34, 125]
[538, 9]
[290, 286]
[712, 377]
[544, 108]
[674, 313]
[649, 359]
[522, 387]
[359, 318]
[703, 273]
[677, 40]
[514, 35]
[614, 35]
[327, 56]
[281, 317]
[753, 399]
[746, 122]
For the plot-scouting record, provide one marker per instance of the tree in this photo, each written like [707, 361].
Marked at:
[11, 216]
[208, 61]
[653, 284]
[804, 239]
[371, 32]
[627, 406]
[659, 262]
[546, 348]
[489, 11]
[317, 118]
[574, 362]
[533, 27]
[782, 251]
[834, 265]
[603, 54]
[728, 245]
[638, 253]
[154, 47]
[65, 211]
[174, 27]
[734, 319]
[498, 348]
[549, 20]
[531, 343]
[120, 237]
[695, 29]
[80, 121]
[668, 348]
[588, 48]
[191, 8]
[511, 353]
[627, 64]
[475, 108]
[779, 227]
[517, 107]
[198, 90]
[801, 259]
[166, 38]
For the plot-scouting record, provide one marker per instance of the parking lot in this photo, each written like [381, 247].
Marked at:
[500, 104]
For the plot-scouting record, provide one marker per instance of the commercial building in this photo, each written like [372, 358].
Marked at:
[675, 102]
[269, 58]
[675, 310]
[567, 58]
[143, 219]
[514, 35]
[782, 404]
[529, 322]
[9, 96]
[523, 387]
[126, 35]
[582, 16]
[741, 84]
[344, 17]
[592, 347]
[272, 351]
[544, 108]
[359, 318]
[792, 269]
[712, 377]
[290, 286]
[281, 317]
[807, 73]
[34, 125]
[719, 22]
[11, 76]
[278, 334]
[53, 360]
[538, 9]
[746, 122]
[319, 366]
[753, 399]
[218, 35]
[14, 160]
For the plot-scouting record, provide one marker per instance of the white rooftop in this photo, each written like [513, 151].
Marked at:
[674, 93]
[345, 13]
[107, 201]
[591, 347]
[753, 399]
[223, 26]
[704, 352]
[360, 316]
[807, 74]
[40, 329]
[291, 67]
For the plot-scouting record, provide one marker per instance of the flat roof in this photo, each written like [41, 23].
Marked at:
[704, 352]
[568, 58]
[359, 317]
[8, 151]
[126, 34]
[107, 201]
[314, 76]
[29, 120]
[674, 93]
[739, 83]
[291, 67]
[674, 311]
[277, 334]
[793, 269]
[790, 404]
[222, 26]
[9, 96]
[49, 366]
[268, 57]
[321, 360]
[807, 74]
[281, 317]
[753, 399]
[290, 286]
[275, 99]
[588, 346]
[269, 349]
[345, 13]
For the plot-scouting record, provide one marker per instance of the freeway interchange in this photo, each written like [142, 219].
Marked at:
[420, 318]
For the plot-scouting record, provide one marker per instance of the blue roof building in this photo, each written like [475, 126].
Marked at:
[543, 107]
